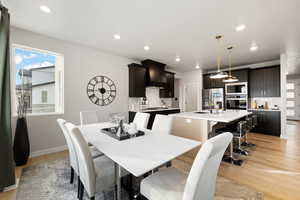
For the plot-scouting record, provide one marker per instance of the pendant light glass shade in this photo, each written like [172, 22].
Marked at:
[230, 78]
[219, 74]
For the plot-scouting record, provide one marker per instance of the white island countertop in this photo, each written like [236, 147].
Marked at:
[146, 110]
[222, 116]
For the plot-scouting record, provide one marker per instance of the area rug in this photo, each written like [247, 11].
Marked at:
[50, 181]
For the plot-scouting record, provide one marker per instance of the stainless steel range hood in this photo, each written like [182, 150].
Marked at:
[155, 73]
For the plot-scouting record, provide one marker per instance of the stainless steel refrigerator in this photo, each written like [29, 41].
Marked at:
[213, 97]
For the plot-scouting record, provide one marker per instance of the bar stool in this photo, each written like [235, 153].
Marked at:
[239, 134]
[251, 123]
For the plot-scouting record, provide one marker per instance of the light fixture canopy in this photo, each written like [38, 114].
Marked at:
[219, 74]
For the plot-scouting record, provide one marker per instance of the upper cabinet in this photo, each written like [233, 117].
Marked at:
[241, 74]
[150, 74]
[265, 82]
[168, 90]
[136, 80]
[209, 83]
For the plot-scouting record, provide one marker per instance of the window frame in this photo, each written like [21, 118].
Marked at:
[59, 81]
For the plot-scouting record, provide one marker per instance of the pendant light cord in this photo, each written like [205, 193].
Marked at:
[219, 52]
[229, 59]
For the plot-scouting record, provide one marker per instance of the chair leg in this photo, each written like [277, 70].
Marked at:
[72, 176]
[239, 150]
[79, 186]
[81, 191]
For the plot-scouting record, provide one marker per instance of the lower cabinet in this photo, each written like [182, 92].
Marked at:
[152, 115]
[269, 122]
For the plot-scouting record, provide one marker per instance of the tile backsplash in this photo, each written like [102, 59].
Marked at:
[153, 100]
[271, 101]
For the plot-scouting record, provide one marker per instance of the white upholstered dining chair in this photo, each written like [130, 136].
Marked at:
[95, 174]
[162, 124]
[88, 117]
[199, 184]
[72, 154]
[141, 120]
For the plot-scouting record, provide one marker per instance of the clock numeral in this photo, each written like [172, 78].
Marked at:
[92, 95]
[90, 90]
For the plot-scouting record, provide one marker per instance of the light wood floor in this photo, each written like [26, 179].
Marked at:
[272, 168]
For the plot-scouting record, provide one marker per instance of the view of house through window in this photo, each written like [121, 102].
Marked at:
[38, 79]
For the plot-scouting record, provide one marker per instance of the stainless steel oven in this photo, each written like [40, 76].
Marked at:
[236, 102]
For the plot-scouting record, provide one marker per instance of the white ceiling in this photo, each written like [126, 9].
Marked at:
[170, 27]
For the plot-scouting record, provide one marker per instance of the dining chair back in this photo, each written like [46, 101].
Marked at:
[72, 153]
[141, 120]
[201, 181]
[162, 124]
[88, 117]
[85, 160]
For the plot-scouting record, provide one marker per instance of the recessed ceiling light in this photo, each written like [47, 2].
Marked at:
[240, 27]
[45, 9]
[254, 47]
[177, 59]
[117, 37]
[197, 66]
[146, 48]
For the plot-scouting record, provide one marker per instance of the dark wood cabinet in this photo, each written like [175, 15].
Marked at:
[256, 83]
[269, 122]
[152, 115]
[242, 74]
[208, 83]
[272, 82]
[264, 82]
[136, 80]
[168, 90]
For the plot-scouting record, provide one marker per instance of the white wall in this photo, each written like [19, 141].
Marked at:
[81, 64]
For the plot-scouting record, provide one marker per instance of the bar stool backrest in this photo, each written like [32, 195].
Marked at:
[242, 128]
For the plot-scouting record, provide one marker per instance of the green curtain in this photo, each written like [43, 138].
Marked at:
[7, 166]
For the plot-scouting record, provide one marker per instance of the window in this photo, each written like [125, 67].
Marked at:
[44, 96]
[37, 76]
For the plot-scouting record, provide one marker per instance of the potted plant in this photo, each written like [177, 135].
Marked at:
[21, 142]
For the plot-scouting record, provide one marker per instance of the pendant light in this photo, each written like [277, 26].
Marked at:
[219, 74]
[230, 78]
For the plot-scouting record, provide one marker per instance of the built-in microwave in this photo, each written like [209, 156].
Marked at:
[240, 88]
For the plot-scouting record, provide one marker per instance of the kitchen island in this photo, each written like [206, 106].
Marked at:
[201, 125]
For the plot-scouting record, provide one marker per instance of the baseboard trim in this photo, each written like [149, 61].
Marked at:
[12, 187]
[47, 151]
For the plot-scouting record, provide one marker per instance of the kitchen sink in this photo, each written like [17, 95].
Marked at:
[202, 112]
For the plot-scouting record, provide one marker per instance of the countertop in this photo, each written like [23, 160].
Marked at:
[223, 116]
[150, 110]
[261, 109]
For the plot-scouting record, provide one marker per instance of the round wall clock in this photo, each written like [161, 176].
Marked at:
[101, 90]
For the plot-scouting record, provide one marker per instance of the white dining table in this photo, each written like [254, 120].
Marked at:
[137, 155]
